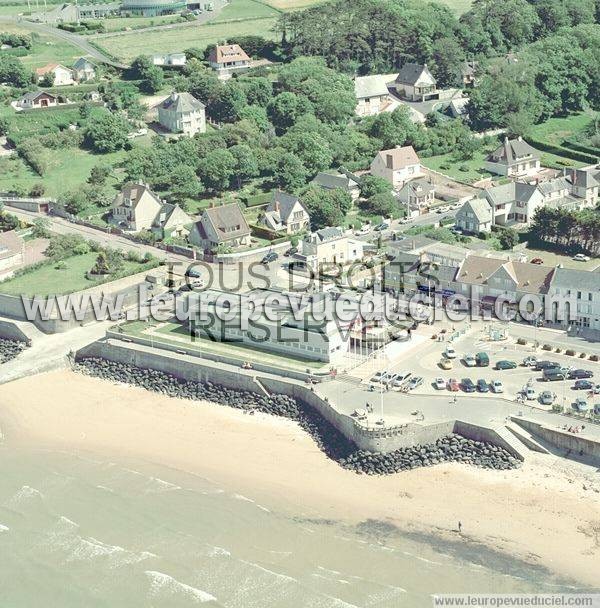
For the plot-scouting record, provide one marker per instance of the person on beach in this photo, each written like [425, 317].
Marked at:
[459, 527]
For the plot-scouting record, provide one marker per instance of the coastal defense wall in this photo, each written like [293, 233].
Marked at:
[372, 439]
[570, 443]
[11, 331]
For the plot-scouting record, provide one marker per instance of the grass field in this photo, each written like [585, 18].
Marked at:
[474, 167]
[178, 39]
[245, 9]
[555, 130]
[50, 280]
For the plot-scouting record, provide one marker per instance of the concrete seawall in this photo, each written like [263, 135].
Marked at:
[380, 439]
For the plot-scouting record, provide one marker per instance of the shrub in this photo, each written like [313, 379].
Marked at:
[582, 356]
[558, 349]
[546, 347]
[570, 352]
[522, 341]
[593, 357]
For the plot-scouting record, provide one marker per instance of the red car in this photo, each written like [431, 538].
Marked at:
[537, 261]
[453, 385]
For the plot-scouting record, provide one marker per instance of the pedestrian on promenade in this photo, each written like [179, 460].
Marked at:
[459, 527]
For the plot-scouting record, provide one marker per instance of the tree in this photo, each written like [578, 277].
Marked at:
[311, 148]
[217, 168]
[41, 228]
[508, 238]
[246, 165]
[8, 221]
[289, 172]
[372, 185]
[106, 132]
[99, 174]
[382, 203]
[258, 90]
[227, 103]
[184, 183]
[326, 207]
[286, 109]
[151, 76]
[256, 115]
[101, 265]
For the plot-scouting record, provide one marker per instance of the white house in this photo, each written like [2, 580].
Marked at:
[60, 74]
[172, 60]
[416, 83]
[182, 113]
[221, 226]
[37, 100]
[585, 183]
[514, 158]
[84, 70]
[372, 93]
[286, 213]
[475, 216]
[584, 286]
[228, 59]
[329, 246]
[397, 165]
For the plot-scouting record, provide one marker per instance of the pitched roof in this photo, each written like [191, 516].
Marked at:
[328, 234]
[412, 72]
[371, 86]
[283, 204]
[133, 192]
[513, 149]
[33, 95]
[228, 221]
[476, 270]
[49, 67]
[182, 103]
[584, 178]
[480, 208]
[398, 158]
[553, 185]
[83, 63]
[334, 180]
[507, 193]
[10, 244]
[416, 187]
[577, 280]
[228, 52]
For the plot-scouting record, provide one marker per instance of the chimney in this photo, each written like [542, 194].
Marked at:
[389, 161]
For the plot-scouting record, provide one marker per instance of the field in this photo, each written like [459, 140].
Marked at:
[555, 130]
[446, 164]
[178, 39]
[44, 281]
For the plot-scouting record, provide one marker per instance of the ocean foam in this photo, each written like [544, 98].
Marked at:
[25, 494]
[4, 528]
[163, 583]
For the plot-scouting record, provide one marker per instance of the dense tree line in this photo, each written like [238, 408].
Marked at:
[571, 230]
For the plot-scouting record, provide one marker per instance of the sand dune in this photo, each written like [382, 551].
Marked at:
[547, 513]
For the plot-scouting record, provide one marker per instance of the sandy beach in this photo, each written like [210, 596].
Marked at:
[546, 513]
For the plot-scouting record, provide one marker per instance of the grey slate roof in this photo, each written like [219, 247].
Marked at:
[576, 280]
[328, 234]
[416, 187]
[182, 103]
[481, 209]
[513, 191]
[584, 178]
[513, 149]
[411, 72]
[83, 63]
[133, 191]
[337, 180]
[33, 95]
[228, 221]
[553, 185]
[286, 204]
[371, 86]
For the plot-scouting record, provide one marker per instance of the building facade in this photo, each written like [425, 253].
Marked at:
[397, 165]
[182, 113]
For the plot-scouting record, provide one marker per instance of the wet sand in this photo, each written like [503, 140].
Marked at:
[547, 513]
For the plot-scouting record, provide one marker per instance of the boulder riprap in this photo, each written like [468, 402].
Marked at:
[334, 444]
[9, 349]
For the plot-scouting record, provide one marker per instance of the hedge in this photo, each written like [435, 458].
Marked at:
[256, 200]
[579, 147]
[560, 151]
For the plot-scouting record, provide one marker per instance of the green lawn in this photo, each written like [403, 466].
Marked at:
[49, 280]
[114, 24]
[174, 40]
[555, 130]
[245, 9]
[453, 168]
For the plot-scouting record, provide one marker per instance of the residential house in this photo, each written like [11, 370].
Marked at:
[228, 59]
[514, 158]
[172, 60]
[137, 208]
[288, 326]
[474, 216]
[343, 181]
[416, 83]
[372, 93]
[37, 100]
[584, 286]
[84, 70]
[397, 165]
[584, 184]
[513, 203]
[182, 113]
[329, 246]
[286, 214]
[458, 107]
[483, 279]
[417, 194]
[60, 74]
[12, 251]
[468, 73]
[223, 226]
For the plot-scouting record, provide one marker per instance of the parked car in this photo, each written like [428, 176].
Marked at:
[580, 405]
[497, 386]
[414, 382]
[446, 363]
[401, 378]
[542, 365]
[583, 385]
[362, 231]
[380, 376]
[554, 373]
[291, 251]
[470, 360]
[193, 273]
[530, 361]
[504, 364]
[537, 261]
[482, 386]
[450, 353]
[381, 227]
[453, 385]
[270, 257]
[580, 257]
[482, 359]
[529, 393]
[439, 384]
[467, 385]
[547, 397]
[577, 374]
[596, 389]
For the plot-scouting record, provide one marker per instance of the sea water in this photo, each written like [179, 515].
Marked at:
[86, 532]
